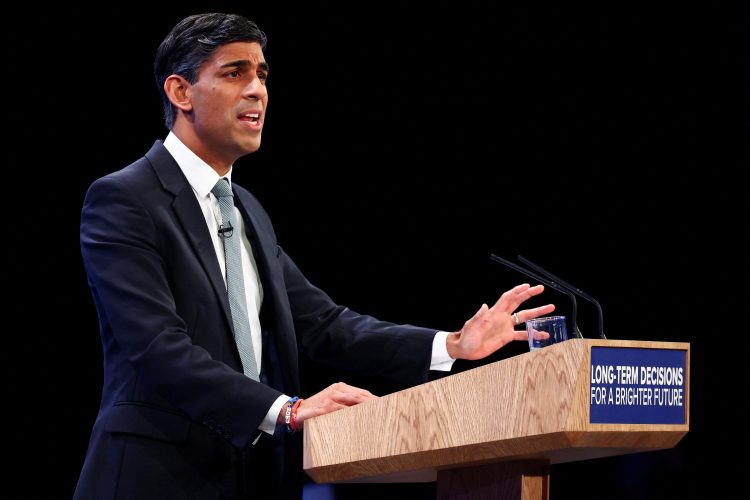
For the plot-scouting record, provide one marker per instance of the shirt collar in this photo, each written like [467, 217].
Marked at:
[199, 174]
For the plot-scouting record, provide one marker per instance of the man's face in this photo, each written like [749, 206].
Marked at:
[229, 102]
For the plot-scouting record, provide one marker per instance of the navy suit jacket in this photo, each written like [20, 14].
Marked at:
[177, 416]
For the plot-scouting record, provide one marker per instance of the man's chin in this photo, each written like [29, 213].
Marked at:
[250, 147]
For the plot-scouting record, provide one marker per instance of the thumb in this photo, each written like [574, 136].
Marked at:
[478, 317]
[481, 312]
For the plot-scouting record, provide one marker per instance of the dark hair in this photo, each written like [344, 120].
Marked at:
[191, 43]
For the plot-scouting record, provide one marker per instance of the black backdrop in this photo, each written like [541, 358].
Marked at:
[402, 147]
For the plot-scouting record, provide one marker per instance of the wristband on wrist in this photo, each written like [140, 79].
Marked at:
[288, 414]
[293, 419]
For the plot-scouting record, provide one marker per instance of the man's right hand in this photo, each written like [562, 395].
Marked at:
[334, 397]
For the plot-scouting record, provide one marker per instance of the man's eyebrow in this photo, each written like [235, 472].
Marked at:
[244, 63]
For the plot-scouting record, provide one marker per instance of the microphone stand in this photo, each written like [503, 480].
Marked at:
[572, 288]
[551, 284]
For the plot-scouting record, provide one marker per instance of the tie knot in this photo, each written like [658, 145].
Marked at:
[222, 189]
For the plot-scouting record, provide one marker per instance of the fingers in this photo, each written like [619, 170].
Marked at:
[334, 397]
[349, 395]
[528, 314]
[539, 335]
[524, 295]
[346, 394]
[513, 298]
[506, 298]
[520, 335]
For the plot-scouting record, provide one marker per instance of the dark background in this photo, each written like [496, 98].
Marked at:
[402, 147]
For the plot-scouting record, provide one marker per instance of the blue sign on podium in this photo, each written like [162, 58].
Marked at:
[637, 386]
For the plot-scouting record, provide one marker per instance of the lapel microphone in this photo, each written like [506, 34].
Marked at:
[226, 231]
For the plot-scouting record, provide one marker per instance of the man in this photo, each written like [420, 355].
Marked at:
[200, 396]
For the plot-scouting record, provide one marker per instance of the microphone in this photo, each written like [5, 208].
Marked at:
[551, 284]
[572, 288]
[226, 231]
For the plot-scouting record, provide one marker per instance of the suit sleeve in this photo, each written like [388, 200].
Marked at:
[143, 335]
[339, 336]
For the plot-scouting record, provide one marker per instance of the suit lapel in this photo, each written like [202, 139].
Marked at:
[276, 320]
[273, 314]
[190, 216]
[191, 219]
[261, 244]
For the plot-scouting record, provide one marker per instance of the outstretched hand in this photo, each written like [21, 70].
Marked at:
[493, 327]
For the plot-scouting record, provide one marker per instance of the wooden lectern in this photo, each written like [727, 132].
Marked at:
[493, 431]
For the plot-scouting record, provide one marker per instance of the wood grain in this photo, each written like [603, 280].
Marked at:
[529, 407]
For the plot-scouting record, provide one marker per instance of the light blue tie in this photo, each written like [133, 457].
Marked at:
[235, 280]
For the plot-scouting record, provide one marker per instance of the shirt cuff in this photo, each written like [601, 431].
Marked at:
[272, 417]
[441, 360]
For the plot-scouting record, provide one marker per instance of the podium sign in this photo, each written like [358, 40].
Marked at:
[497, 428]
[637, 386]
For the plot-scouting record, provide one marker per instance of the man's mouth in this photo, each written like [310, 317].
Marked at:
[251, 117]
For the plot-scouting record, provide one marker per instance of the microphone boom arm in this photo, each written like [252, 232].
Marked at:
[551, 284]
[572, 288]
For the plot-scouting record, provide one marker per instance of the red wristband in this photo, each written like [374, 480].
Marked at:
[293, 419]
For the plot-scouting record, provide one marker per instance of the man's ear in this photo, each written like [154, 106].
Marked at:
[178, 92]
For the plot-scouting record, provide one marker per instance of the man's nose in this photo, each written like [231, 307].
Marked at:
[255, 89]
